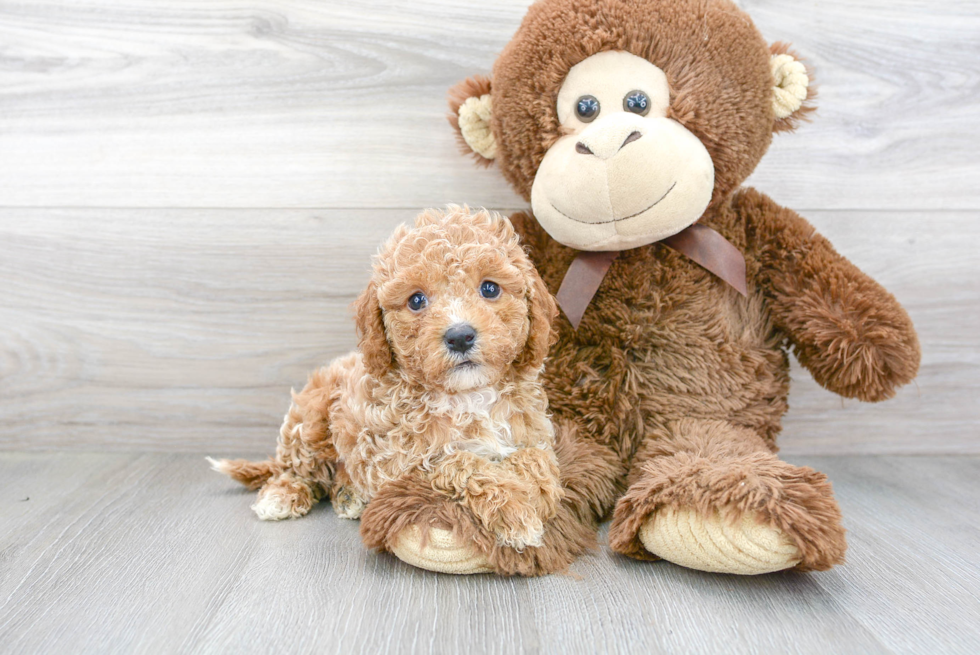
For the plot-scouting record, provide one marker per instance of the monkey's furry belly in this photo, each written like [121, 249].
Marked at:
[658, 345]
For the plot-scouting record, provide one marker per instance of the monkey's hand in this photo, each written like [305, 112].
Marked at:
[846, 329]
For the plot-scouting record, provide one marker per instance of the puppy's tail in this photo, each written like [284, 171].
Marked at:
[251, 474]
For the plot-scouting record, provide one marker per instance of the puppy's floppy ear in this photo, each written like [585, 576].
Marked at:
[378, 358]
[542, 311]
[470, 114]
[793, 90]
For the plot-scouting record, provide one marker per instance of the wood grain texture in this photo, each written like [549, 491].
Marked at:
[190, 191]
[155, 553]
[209, 103]
[183, 330]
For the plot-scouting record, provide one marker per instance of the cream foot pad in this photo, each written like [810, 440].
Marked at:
[442, 553]
[687, 538]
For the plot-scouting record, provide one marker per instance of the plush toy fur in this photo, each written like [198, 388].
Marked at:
[408, 419]
[675, 384]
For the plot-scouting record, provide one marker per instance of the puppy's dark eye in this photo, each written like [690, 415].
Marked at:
[637, 102]
[489, 289]
[587, 108]
[417, 301]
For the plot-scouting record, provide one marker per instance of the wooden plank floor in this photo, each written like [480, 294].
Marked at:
[155, 553]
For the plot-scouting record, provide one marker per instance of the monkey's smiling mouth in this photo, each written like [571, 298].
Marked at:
[617, 220]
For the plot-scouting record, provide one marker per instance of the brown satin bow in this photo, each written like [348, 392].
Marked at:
[699, 243]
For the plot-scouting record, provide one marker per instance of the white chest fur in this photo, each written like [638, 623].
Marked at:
[483, 420]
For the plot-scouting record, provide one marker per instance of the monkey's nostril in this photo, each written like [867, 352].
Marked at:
[460, 338]
[583, 149]
[634, 135]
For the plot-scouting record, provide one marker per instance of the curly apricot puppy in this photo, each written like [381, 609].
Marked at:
[454, 328]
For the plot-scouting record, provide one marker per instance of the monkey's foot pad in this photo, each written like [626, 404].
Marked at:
[717, 544]
[441, 553]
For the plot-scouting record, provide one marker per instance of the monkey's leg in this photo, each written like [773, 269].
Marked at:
[426, 528]
[712, 496]
[431, 531]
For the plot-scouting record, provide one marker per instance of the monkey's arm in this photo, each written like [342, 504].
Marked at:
[845, 328]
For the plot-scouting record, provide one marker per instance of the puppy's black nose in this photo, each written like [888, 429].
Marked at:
[460, 338]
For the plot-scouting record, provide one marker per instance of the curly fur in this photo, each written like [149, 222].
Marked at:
[588, 472]
[472, 429]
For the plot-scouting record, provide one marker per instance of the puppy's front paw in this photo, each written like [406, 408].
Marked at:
[519, 536]
[549, 499]
[539, 468]
[347, 503]
[513, 518]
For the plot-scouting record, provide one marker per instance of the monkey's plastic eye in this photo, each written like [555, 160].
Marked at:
[489, 289]
[417, 301]
[637, 102]
[587, 108]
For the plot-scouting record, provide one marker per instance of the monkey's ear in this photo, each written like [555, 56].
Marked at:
[470, 112]
[373, 344]
[792, 88]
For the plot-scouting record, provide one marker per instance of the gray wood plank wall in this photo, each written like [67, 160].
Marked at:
[190, 192]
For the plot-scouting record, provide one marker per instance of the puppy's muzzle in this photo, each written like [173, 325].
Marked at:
[460, 338]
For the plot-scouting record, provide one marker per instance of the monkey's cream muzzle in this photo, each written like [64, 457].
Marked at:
[622, 182]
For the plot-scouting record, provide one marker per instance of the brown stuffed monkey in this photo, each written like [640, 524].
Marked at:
[630, 125]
